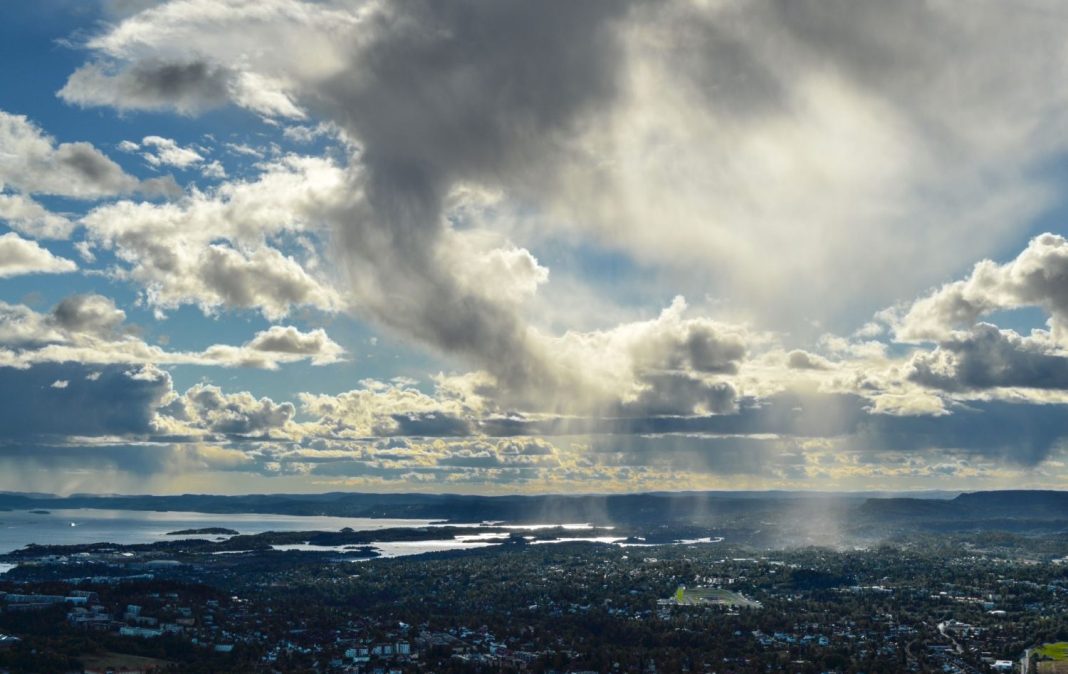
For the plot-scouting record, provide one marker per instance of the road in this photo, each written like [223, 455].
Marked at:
[956, 644]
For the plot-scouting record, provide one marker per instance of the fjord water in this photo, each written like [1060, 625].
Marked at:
[19, 528]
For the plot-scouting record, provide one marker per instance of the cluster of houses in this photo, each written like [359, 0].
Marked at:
[86, 612]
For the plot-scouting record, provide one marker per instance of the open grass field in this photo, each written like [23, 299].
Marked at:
[1058, 654]
[120, 662]
[711, 595]
[1057, 651]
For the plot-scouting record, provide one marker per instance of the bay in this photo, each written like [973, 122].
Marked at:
[19, 528]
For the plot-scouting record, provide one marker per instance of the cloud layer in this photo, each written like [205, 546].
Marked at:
[522, 195]
[22, 256]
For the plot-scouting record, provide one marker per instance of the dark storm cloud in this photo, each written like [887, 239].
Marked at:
[803, 360]
[680, 393]
[793, 413]
[363, 469]
[91, 167]
[430, 424]
[986, 358]
[124, 8]
[859, 109]
[691, 453]
[64, 399]
[187, 86]
[719, 57]
[180, 81]
[207, 407]
[747, 58]
[89, 313]
[701, 346]
[1019, 433]
[137, 459]
[32, 163]
[1034, 278]
[449, 92]
[74, 318]
[165, 187]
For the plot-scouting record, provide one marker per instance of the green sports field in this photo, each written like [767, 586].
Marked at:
[712, 595]
[1057, 651]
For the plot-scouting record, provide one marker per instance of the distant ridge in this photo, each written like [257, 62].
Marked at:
[1009, 509]
[1016, 502]
[1012, 510]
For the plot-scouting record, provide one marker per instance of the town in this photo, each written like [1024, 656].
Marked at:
[923, 603]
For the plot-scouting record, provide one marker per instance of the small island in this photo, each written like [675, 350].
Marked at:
[207, 531]
[40, 512]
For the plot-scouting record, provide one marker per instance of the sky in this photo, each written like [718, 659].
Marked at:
[511, 247]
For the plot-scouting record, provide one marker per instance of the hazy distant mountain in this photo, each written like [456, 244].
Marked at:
[849, 512]
[1019, 511]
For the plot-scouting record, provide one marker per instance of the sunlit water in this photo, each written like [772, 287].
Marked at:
[469, 542]
[404, 548]
[79, 526]
[19, 528]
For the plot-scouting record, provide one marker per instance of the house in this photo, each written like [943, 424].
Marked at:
[140, 632]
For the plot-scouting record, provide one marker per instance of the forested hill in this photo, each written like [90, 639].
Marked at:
[1011, 510]
[596, 509]
[755, 516]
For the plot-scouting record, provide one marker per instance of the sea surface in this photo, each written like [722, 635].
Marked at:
[19, 528]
